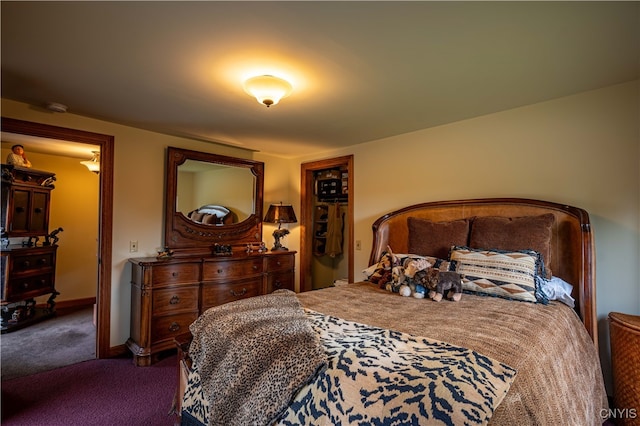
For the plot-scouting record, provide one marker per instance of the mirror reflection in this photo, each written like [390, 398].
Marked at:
[211, 199]
[215, 194]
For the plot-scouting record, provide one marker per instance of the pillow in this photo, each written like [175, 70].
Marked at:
[197, 217]
[513, 275]
[560, 290]
[515, 233]
[435, 239]
[210, 219]
[381, 271]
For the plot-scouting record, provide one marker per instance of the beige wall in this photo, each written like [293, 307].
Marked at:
[581, 150]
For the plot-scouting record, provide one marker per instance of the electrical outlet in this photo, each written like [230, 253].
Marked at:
[358, 245]
[133, 246]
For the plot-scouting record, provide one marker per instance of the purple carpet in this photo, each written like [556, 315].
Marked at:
[105, 392]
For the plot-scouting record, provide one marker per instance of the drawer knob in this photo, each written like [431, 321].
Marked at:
[174, 326]
[277, 284]
[26, 264]
[19, 209]
[220, 271]
[278, 263]
[242, 293]
[174, 274]
[42, 261]
[38, 210]
[255, 267]
[25, 285]
[174, 300]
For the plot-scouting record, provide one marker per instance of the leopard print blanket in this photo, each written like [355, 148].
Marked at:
[380, 376]
[248, 354]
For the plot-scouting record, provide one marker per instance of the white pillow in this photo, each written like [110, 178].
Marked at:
[558, 289]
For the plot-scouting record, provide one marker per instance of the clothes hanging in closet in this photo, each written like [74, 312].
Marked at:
[334, 230]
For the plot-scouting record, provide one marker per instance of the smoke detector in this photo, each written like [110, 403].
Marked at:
[56, 107]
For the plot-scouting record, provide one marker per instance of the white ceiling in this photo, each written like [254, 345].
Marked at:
[361, 71]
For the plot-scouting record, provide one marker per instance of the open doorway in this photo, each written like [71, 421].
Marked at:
[309, 204]
[105, 144]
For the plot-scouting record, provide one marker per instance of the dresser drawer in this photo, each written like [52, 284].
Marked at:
[214, 294]
[175, 273]
[170, 326]
[32, 262]
[29, 286]
[230, 269]
[175, 299]
[280, 280]
[280, 263]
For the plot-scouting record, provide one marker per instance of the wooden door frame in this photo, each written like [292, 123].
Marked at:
[306, 213]
[105, 221]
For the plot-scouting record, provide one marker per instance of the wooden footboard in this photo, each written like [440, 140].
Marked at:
[184, 365]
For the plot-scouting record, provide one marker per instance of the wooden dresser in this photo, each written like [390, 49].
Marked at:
[167, 295]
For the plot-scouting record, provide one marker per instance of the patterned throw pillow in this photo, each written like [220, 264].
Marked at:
[513, 275]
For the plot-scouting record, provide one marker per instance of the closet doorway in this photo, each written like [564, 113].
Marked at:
[321, 192]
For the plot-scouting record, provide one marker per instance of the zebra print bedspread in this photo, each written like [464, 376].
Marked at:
[377, 376]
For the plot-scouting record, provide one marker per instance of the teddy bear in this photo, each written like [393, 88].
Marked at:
[439, 282]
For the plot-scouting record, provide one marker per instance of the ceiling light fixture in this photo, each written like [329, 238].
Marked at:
[267, 89]
[93, 164]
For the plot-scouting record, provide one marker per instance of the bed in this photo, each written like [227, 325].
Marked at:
[212, 214]
[495, 357]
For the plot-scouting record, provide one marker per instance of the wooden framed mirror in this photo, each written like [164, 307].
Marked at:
[211, 199]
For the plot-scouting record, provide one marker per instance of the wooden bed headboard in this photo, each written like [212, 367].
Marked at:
[572, 246]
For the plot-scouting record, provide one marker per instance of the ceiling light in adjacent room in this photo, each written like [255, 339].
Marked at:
[57, 107]
[93, 164]
[267, 89]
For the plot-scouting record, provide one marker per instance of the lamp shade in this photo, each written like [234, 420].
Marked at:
[267, 89]
[93, 164]
[280, 213]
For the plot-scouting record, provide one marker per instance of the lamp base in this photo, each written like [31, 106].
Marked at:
[277, 235]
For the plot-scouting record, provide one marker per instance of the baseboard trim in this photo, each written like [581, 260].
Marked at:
[118, 351]
[72, 304]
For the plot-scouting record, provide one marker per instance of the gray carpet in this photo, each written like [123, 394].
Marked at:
[63, 340]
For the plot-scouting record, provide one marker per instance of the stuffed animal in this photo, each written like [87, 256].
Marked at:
[416, 290]
[398, 276]
[411, 284]
[414, 265]
[384, 274]
[439, 282]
